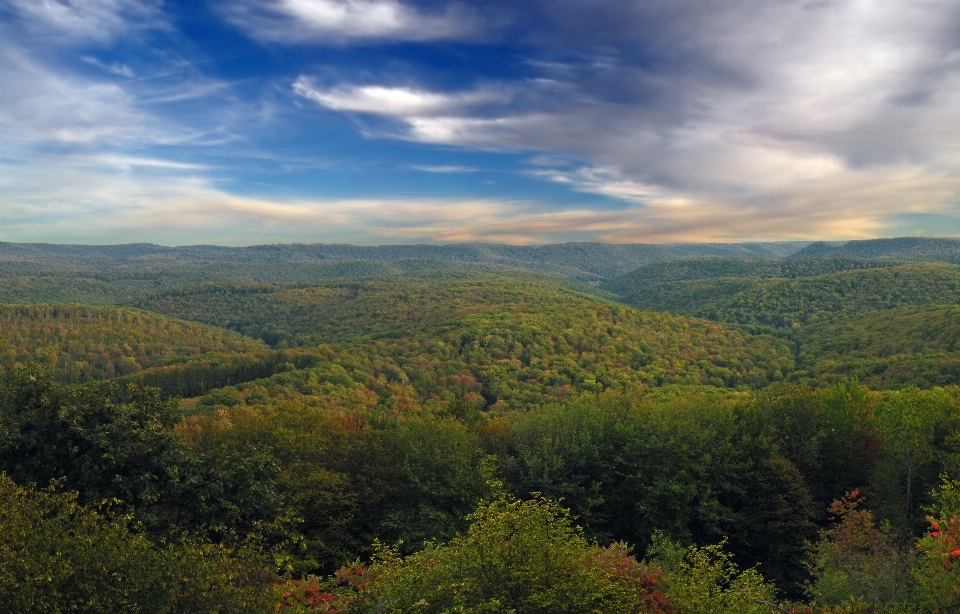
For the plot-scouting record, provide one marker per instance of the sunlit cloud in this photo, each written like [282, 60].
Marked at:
[401, 102]
[326, 22]
[850, 109]
[627, 122]
[145, 199]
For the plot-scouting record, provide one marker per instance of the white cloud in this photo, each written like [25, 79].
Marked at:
[115, 67]
[401, 102]
[124, 199]
[326, 22]
[41, 106]
[38, 105]
[847, 112]
[741, 120]
[450, 168]
[89, 20]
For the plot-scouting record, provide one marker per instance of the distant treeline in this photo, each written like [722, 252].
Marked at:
[581, 261]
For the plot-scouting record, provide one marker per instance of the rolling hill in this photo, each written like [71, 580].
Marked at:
[688, 269]
[897, 348]
[946, 249]
[515, 340]
[167, 266]
[785, 303]
[77, 342]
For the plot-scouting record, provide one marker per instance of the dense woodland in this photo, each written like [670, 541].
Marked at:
[422, 429]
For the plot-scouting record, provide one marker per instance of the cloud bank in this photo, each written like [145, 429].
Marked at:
[630, 122]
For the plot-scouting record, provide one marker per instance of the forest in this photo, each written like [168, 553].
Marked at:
[744, 428]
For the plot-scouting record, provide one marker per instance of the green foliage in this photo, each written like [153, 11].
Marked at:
[687, 269]
[158, 267]
[103, 449]
[77, 343]
[705, 580]
[782, 303]
[929, 248]
[919, 433]
[896, 348]
[196, 376]
[679, 463]
[351, 479]
[826, 434]
[517, 556]
[387, 408]
[130, 453]
[857, 560]
[54, 289]
[937, 571]
[58, 556]
[526, 342]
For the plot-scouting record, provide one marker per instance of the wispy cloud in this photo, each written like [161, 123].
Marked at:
[115, 67]
[835, 111]
[333, 22]
[403, 102]
[39, 105]
[426, 168]
[89, 20]
[653, 121]
[126, 200]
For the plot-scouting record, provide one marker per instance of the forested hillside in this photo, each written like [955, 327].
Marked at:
[686, 269]
[86, 291]
[921, 248]
[127, 282]
[902, 347]
[78, 343]
[781, 302]
[299, 262]
[455, 438]
[515, 341]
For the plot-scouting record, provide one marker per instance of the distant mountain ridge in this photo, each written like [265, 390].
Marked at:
[946, 249]
[711, 267]
[580, 261]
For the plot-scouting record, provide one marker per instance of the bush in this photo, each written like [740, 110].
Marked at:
[58, 556]
[518, 556]
[705, 580]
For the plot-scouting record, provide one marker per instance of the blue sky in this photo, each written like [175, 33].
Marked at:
[389, 121]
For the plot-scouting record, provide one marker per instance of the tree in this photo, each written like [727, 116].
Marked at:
[101, 448]
[938, 563]
[57, 556]
[856, 559]
[517, 556]
[705, 580]
[913, 425]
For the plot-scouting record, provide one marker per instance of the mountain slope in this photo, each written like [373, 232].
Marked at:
[580, 261]
[946, 249]
[77, 342]
[804, 300]
[909, 346]
[516, 340]
[688, 269]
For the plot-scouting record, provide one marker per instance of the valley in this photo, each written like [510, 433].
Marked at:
[371, 410]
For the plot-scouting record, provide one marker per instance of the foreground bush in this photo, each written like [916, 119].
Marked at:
[58, 556]
[527, 557]
[521, 556]
[938, 566]
[705, 580]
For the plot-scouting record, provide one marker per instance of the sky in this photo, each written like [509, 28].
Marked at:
[240, 122]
